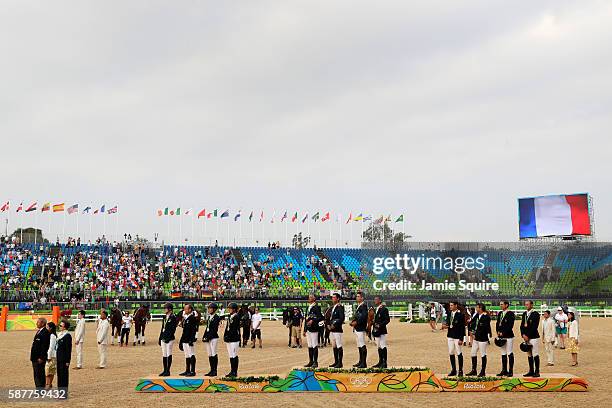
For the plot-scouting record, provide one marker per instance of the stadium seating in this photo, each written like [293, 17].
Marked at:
[572, 271]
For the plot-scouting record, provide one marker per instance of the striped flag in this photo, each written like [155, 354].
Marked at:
[305, 218]
[20, 207]
[5, 207]
[238, 214]
[45, 207]
[32, 207]
[284, 217]
[202, 213]
[225, 214]
[294, 218]
[350, 217]
[325, 217]
[87, 210]
[73, 208]
[358, 218]
[58, 207]
[112, 210]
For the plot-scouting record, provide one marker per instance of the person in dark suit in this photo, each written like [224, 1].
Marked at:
[455, 325]
[379, 331]
[504, 326]
[311, 330]
[38, 352]
[482, 334]
[287, 321]
[529, 331]
[231, 337]
[211, 338]
[166, 338]
[188, 339]
[359, 324]
[335, 329]
[64, 353]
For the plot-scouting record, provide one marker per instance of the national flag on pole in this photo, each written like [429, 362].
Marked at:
[350, 217]
[367, 218]
[273, 215]
[112, 210]
[358, 218]
[238, 214]
[295, 216]
[261, 216]
[225, 214]
[166, 211]
[325, 217]
[555, 215]
[305, 218]
[202, 213]
[188, 212]
[5, 207]
[45, 207]
[316, 216]
[159, 213]
[388, 218]
[251, 216]
[73, 208]
[58, 207]
[400, 218]
[178, 211]
[284, 217]
[215, 213]
[20, 207]
[32, 207]
[87, 210]
[379, 220]
[103, 208]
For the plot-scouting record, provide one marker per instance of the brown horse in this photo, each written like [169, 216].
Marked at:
[141, 316]
[115, 321]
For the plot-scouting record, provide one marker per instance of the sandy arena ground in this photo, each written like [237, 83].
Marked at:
[409, 345]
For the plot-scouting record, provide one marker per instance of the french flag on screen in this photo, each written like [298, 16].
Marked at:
[554, 215]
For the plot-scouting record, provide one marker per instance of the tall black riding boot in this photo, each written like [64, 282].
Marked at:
[453, 366]
[310, 353]
[165, 372]
[484, 366]
[358, 363]
[213, 366]
[474, 363]
[363, 353]
[530, 373]
[315, 357]
[340, 356]
[511, 365]
[504, 371]
[384, 354]
[187, 366]
[380, 359]
[536, 363]
[335, 363]
[460, 358]
[192, 366]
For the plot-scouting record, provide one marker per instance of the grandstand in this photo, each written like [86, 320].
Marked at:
[562, 271]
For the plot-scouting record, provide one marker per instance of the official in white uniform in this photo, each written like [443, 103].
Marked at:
[79, 338]
[103, 337]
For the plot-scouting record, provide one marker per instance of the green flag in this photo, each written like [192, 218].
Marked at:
[166, 211]
[215, 213]
[400, 218]
[178, 211]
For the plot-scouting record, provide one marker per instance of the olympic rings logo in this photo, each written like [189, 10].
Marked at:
[361, 381]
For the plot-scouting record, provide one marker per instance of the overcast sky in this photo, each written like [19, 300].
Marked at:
[444, 111]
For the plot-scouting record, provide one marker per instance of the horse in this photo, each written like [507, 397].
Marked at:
[116, 321]
[371, 314]
[141, 316]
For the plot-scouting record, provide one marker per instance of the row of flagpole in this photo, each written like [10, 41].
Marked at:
[261, 237]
